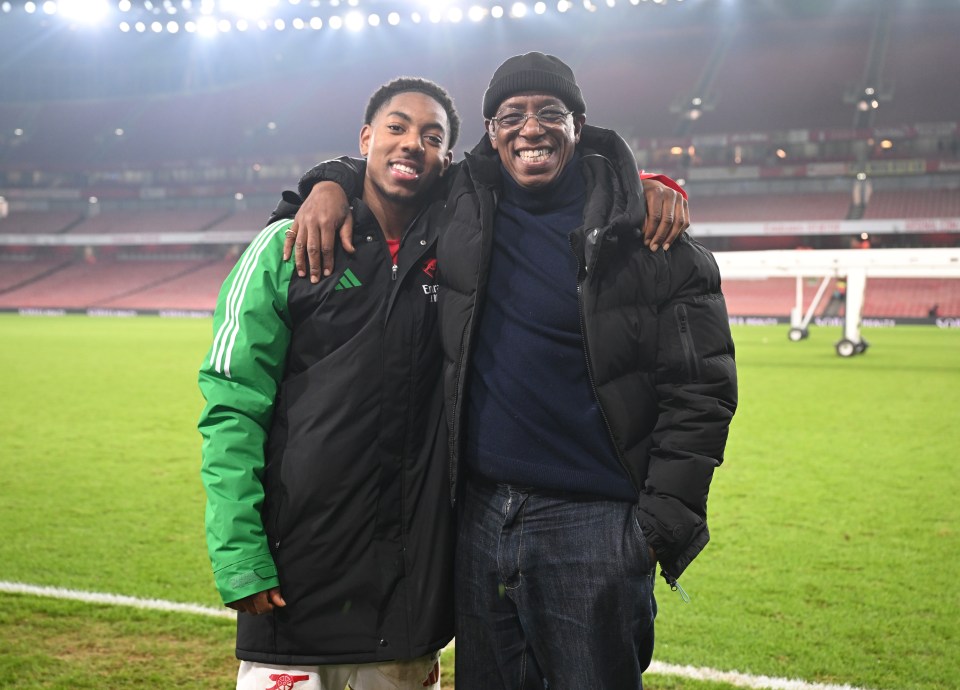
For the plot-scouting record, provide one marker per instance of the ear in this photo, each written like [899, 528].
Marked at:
[366, 136]
[445, 165]
[578, 122]
[491, 132]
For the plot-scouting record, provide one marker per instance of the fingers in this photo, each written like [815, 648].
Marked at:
[661, 204]
[681, 220]
[289, 239]
[275, 598]
[346, 234]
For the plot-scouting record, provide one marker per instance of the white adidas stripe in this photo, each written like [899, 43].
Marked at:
[735, 678]
[227, 334]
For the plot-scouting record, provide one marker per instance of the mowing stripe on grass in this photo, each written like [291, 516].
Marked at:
[741, 680]
[114, 599]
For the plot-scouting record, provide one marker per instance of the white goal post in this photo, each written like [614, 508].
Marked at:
[856, 265]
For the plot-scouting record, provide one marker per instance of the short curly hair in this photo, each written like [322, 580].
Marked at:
[415, 84]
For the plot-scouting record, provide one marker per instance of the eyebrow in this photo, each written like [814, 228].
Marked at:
[403, 116]
[539, 104]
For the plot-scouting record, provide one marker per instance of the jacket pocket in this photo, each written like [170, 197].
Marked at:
[686, 342]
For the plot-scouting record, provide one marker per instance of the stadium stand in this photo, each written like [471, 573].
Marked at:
[783, 151]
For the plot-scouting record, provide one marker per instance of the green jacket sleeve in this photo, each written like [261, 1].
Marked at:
[239, 381]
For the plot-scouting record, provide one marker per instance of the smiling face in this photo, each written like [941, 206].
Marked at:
[406, 148]
[535, 153]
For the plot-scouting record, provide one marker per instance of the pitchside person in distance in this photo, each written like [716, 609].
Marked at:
[324, 454]
[589, 386]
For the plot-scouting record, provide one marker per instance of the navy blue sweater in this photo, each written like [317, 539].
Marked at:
[532, 415]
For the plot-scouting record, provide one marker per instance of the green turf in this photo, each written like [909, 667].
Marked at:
[834, 520]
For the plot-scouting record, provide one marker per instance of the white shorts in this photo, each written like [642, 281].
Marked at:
[387, 675]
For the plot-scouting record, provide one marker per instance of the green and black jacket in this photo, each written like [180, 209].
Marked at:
[323, 452]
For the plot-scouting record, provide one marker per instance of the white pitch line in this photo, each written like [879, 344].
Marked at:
[114, 599]
[742, 680]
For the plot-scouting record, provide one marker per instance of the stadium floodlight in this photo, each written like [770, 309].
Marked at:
[49, 7]
[540, 8]
[316, 23]
[118, 131]
[156, 27]
[125, 27]
[279, 24]
[611, 3]
[564, 5]
[373, 20]
[6, 7]
[454, 15]
[393, 18]
[496, 11]
[18, 132]
[190, 27]
[298, 23]
[354, 21]
[140, 27]
[207, 26]
[242, 25]
[29, 7]
[187, 4]
[476, 13]
[415, 17]
[518, 10]
[335, 22]
[249, 9]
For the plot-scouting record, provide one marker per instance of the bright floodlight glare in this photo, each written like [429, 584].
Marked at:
[207, 26]
[476, 13]
[238, 196]
[354, 21]
[279, 24]
[18, 132]
[86, 11]
[540, 7]
[186, 4]
[124, 27]
[393, 18]
[335, 22]
[140, 27]
[29, 7]
[298, 23]
[271, 126]
[118, 131]
[172, 27]
[496, 11]
[518, 10]
[435, 16]
[6, 7]
[190, 27]
[455, 15]
[611, 3]
[415, 17]
[49, 7]
[242, 25]
[251, 9]
[263, 24]
[373, 20]
[316, 23]
[564, 5]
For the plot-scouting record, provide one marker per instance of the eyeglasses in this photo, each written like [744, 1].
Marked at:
[550, 116]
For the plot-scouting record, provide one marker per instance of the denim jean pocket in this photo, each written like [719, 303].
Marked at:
[643, 558]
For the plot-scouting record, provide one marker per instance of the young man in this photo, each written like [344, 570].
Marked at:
[328, 519]
[589, 385]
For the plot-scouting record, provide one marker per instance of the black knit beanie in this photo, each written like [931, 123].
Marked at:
[533, 72]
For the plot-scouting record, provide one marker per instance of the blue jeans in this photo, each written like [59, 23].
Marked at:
[552, 591]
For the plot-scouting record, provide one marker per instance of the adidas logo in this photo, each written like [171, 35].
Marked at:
[348, 280]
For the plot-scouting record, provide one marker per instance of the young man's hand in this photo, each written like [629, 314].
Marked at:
[261, 602]
[668, 215]
[324, 212]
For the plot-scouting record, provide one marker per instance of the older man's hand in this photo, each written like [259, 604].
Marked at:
[261, 602]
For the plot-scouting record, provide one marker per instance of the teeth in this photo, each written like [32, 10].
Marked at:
[404, 169]
[535, 155]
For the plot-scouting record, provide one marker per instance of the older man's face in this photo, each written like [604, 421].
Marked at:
[537, 151]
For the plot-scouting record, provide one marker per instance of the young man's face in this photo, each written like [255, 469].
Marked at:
[406, 148]
[536, 152]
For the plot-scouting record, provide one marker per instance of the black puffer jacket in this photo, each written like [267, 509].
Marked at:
[655, 327]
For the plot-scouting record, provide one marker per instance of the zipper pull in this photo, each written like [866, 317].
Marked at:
[394, 274]
[676, 587]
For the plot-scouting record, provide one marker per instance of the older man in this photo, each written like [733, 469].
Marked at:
[589, 384]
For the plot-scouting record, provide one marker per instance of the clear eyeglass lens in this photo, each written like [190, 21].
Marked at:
[547, 116]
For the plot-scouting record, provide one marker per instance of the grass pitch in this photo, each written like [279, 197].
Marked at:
[834, 519]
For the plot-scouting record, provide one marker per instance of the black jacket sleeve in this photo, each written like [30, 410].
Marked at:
[345, 171]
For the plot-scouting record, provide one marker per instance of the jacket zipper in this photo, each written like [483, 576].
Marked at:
[686, 341]
[670, 579]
